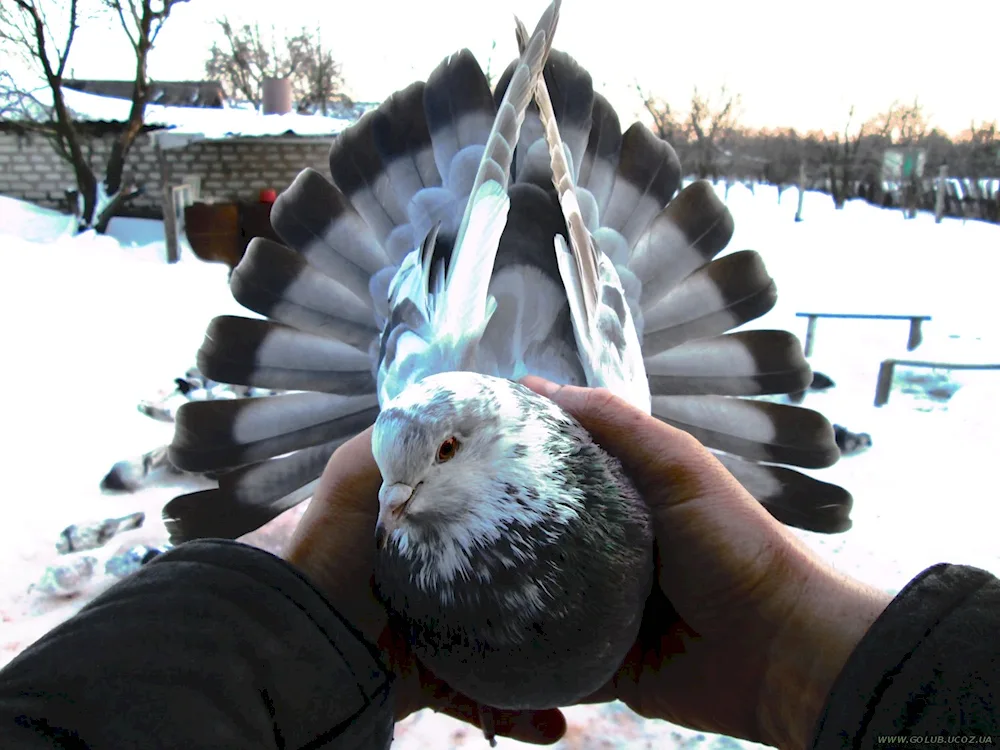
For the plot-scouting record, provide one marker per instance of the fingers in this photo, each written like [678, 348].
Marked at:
[708, 528]
[537, 727]
[416, 687]
[654, 454]
[334, 543]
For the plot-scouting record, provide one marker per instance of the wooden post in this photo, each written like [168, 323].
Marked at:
[802, 194]
[167, 199]
[942, 191]
[884, 385]
[916, 335]
[810, 336]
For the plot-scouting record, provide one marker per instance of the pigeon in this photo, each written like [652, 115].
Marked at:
[851, 443]
[88, 536]
[468, 238]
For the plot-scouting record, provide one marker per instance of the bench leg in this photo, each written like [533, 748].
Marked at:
[810, 336]
[916, 335]
[884, 385]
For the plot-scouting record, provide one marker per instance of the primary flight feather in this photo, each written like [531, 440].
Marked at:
[469, 238]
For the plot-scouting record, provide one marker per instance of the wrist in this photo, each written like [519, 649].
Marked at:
[831, 617]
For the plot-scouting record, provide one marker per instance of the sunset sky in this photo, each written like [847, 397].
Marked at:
[793, 63]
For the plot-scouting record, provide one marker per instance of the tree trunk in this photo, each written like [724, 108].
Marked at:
[802, 191]
[941, 197]
[837, 190]
[123, 143]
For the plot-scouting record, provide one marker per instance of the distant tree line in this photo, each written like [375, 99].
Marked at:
[712, 144]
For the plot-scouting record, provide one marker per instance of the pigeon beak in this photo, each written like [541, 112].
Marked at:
[392, 501]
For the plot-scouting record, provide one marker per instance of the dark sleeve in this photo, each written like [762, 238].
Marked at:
[212, 645]
[929, 667]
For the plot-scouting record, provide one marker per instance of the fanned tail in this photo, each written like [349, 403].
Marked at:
[369, 257]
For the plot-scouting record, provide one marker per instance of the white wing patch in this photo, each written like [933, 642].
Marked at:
[464, 308]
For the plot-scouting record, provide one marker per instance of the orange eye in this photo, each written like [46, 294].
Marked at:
[447, 450]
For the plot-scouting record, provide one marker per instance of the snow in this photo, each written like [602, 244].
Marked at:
[97, 323]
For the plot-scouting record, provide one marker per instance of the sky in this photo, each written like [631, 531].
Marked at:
[792, 63]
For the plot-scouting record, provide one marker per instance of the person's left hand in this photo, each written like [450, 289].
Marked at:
[334, 545]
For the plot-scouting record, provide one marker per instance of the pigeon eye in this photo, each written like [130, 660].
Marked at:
[447, 450]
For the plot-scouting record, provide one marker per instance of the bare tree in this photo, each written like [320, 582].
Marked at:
[28, 27]
[711, 125]
[783, 152]
[978, 153]
[666, 123]
[246, 56]
[842, 158]
[668, 126]
[320, 82]
[141, 20]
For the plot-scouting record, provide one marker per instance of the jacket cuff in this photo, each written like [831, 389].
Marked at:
[921, 668]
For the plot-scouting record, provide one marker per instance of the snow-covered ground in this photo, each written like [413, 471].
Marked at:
[92, 325]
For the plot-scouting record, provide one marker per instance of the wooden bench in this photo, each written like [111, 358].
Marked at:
[916, 335]
[888, 369]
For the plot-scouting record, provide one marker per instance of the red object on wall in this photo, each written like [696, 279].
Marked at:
[268, 195]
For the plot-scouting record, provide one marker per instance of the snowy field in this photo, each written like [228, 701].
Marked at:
[93, 325]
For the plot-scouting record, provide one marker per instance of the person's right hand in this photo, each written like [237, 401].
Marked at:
[748, 629]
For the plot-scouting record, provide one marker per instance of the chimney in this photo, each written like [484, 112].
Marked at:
[277, 96]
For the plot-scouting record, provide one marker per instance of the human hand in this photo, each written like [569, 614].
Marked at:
[334, 545]
[747, 630]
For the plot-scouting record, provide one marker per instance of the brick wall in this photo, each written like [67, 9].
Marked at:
[233, 169]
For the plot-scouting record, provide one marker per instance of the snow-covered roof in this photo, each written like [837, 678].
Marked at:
[204, 121]
[193, 123]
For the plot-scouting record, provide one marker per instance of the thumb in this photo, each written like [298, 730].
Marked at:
[655, 455]
[334, 543]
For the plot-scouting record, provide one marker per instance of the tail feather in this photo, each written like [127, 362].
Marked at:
[313, 217]
[722, 295]
[757, 430]
[249, 497]
[748, 363]
[403, 141]
[248, 351]
[357, 168]
[214, 435]
[648, 174]
[793, 498]
[600, 160]
[459, 109]
[691, 230]
[278, 283]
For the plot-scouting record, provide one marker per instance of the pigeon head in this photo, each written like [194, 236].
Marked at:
[458, 454]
